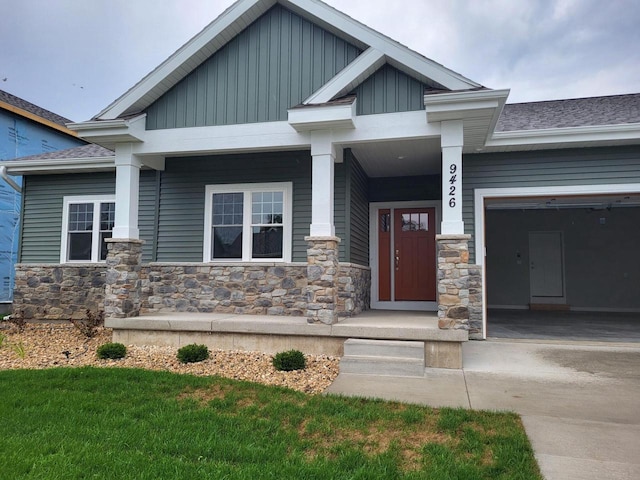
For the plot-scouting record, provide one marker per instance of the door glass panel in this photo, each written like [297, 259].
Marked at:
[385, 222]
[424, 222]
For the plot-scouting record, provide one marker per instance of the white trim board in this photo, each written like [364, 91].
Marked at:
[247, 189]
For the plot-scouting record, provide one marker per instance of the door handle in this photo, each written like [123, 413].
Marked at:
[397, 259]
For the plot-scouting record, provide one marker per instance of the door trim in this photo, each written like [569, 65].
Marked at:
[376, 304]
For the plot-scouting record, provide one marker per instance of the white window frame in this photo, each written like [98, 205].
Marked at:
[97, 200]
[247, 189]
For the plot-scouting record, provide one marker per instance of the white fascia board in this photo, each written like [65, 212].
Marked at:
[222, 29]
[65, 165]
[388, 126]
[270, 136]
[109, 132]
[322, 117]
[598, 133]
[275, 136]
[419, 65]
[461, 105]
[349, 77]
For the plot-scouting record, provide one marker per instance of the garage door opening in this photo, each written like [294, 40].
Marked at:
[563, 267]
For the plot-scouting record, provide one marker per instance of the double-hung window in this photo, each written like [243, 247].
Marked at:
[86, 222]
[248, 222]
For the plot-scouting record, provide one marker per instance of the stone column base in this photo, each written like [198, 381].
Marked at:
[123, 284]
[453, 281]
[322, 275]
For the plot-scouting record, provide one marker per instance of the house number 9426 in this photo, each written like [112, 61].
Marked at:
[453, 184]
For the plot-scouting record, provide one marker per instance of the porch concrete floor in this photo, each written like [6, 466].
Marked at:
[564, 326]
[374, 324]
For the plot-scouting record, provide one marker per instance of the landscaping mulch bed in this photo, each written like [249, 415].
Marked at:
[44, 345]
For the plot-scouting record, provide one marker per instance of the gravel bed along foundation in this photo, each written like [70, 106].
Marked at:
[62, 345]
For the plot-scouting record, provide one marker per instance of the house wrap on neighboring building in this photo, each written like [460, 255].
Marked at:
[25, 129]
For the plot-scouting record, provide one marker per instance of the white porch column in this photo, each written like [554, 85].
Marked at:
[451, 143]
[127, 188]
[322, 185]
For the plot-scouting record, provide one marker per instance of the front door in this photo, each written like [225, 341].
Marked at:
[407, 255]
[415, 254]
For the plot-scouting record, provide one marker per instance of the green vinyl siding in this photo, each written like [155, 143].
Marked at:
[42, 213]
[389, 90]
[357, 235]
[271, 66]
[543, 168]
[182, 197]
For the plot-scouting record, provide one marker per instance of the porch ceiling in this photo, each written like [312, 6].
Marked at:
[399, 158]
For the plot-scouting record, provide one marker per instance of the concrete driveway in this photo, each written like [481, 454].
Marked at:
[580, 403]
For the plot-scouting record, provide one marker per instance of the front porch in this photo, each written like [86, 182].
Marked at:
[272, 334]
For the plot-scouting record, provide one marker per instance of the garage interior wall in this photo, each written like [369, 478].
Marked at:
[601, 256]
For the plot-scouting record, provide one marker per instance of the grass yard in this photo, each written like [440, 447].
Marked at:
[77, 423]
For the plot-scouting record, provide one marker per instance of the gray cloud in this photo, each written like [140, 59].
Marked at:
[75, 57]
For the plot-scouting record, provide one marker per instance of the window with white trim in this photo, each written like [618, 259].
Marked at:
[248, 222]
[86, 222]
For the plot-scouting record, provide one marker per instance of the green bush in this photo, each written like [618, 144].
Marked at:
[193, 353]
[112, 350]
[290, 360]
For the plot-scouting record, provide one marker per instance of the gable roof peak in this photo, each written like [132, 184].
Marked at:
[242, 14]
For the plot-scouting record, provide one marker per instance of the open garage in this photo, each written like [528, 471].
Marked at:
[563, 267]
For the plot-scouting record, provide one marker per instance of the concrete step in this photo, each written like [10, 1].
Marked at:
[367, 365]
[383, 357]
[384, 348]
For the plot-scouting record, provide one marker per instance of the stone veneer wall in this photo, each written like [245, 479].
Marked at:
[53, 292]
[242, 289]
[354, 289]
[475, 302]
[67, 291]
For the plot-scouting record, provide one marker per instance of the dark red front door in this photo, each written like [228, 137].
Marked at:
[414, 255]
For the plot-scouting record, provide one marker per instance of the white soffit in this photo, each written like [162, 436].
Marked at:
[240, 15]
[478, 109]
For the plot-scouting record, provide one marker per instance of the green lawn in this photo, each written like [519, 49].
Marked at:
[135, 424]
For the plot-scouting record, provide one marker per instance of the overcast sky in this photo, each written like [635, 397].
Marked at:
[74, 57]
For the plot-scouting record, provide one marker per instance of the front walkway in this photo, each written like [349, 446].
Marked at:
[579, 403]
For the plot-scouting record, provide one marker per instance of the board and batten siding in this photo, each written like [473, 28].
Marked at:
[182, 197]
[540, 168]
[43, 203]
[389, 90]
[274, 64]
[357, 232]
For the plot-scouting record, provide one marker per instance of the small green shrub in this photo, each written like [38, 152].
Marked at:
[193, 353]
[19, 349]
[112, 351]
[290, 360]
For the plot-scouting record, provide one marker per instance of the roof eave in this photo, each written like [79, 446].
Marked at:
[593, 134]
[108, 133]
[66, 165]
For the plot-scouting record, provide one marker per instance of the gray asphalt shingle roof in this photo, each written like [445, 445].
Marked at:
[90, 150]
[31, 108]
[575, 112]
